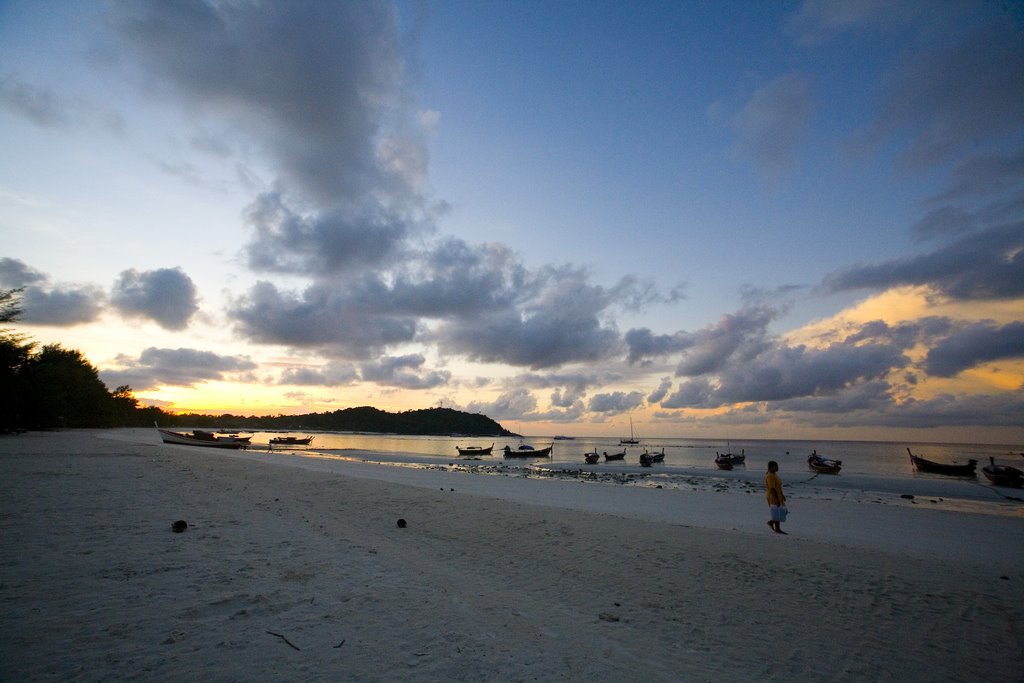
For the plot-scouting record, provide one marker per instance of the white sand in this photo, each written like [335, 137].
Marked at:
[494, 579]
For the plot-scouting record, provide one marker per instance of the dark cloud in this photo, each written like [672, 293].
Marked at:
[736, 337]
[863, 398]
[659, 394]
[987, 264]
[615, 402]
[789, 372]
[41, 106]
[321, 244]
[516, 404]
[957, 94]
[946, 221]
[561, 324]
[406, 372]
[329, 375]
[644, 344]
[167, 296]
[322, 317]
[694, 393]
[992, 410]
[863, 408]
[61, 305]
[985, 175]
[974, 345]
[311, 81]
[15, 273]
[176, 367]
[45, 303]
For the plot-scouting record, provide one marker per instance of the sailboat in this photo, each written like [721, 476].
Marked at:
[632, 440]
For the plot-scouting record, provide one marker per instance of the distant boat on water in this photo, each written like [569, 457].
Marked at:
[632, 440]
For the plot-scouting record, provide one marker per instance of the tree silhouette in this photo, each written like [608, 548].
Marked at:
[60, 388]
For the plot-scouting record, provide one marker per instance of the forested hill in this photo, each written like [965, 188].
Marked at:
[428, 421]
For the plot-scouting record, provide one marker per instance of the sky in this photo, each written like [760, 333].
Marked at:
[717, 220]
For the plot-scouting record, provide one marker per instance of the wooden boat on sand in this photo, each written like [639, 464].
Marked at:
[1003, 475]
[615, 456]
[201, 438]
[922, 465]
[475, 450]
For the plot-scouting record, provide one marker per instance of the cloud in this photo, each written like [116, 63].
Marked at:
[321, 244]
[41, 106]
[405, 372]
[870, 406]
[559, 324]
[15, 273]
[957, 94]
[644, 344]
[615, 402]
[155, 367]
[736, 361]
[329, 375]
[988, 264]
[974, 345]
[61, 305]
[772, 123]
[818, 21]
[737, 336]
[310, 81]
[659, 394]
[321, 317]
[984, 175]
[516, 404]
[44, 303]
[167, 296]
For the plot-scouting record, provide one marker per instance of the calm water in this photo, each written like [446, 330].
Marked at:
[875, 459]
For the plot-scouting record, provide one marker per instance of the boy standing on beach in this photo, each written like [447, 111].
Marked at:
[776, 499]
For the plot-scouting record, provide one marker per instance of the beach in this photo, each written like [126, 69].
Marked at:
[297, 569]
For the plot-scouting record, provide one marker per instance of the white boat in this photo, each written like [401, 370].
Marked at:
[200, 438]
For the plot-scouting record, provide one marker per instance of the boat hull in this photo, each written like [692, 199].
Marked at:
[291, 441]
[474, 450]
[182, 439]
[528, 452]
[922, 465]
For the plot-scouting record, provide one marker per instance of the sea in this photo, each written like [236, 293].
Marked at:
[870, 458]
[881, 468]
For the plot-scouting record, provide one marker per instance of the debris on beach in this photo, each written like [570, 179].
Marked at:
[179, 526]
[401, 523]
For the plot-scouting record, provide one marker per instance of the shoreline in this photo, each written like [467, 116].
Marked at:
[495, 578]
